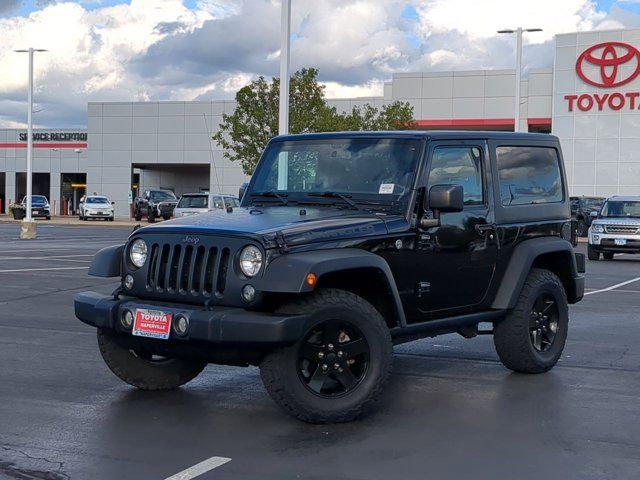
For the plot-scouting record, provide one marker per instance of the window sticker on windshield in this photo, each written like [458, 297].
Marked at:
[386, 188]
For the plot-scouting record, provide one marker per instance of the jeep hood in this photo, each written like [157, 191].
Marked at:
[316, 225]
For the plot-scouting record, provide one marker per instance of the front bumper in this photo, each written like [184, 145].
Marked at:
[606, 242]
[218, 325]
[98, 214]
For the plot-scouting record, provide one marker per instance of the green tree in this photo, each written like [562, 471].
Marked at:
[244, 133]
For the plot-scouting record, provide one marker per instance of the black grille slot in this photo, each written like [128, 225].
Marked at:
[172, 269]
[185, 268]
[222, 272]
[210, 265]
[188, 271]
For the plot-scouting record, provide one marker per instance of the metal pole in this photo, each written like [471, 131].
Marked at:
[28, 218]
[518, 75]
[285, 25]
[283, 112]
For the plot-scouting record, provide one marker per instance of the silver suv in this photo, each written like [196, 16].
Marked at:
[616, 228]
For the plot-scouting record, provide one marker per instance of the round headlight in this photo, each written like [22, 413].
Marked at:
[250, 260]
[138, 252]
[598, 228]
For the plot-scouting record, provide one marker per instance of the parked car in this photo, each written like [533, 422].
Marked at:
[615, 229]
[154, 204]
[40, 207]
[192, 203]
[384, 238]
[95, 206]
[581, 211]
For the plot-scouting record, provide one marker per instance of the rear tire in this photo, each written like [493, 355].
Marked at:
[165, 218]
[145, 374]
[607, 255]
[592, 254]
[337, 371]
[532, 336]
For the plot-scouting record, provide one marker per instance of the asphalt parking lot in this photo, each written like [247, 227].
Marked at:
[451, 410]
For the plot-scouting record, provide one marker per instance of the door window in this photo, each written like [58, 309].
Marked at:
[458, 166]
[217, 202]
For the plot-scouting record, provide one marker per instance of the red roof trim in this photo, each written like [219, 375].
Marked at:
[43, 145]
[479, 122]
[539, 121]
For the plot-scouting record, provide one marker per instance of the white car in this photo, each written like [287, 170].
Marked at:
[95, 206]
[192, 203]
[616, 228]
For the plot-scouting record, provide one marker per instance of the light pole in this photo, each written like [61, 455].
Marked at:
[283, 111]
[518, 33]
[28, 230]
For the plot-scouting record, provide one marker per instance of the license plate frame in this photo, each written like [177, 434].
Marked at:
[152, 323]
[620, 242]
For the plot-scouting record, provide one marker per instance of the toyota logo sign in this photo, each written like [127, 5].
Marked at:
[608, 57]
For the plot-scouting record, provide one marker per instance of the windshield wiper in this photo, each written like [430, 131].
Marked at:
[341, 196]
[272, 194]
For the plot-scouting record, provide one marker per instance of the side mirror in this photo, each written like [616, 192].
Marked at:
[443, 199]
[593, 214]
[113, 203]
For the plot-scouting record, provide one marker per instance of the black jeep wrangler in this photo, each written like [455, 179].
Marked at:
[344, 245]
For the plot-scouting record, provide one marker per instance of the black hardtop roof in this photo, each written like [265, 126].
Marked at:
[424, 134]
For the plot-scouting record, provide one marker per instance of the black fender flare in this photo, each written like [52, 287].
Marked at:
[107, 262]
[520, 263]
[287, 273]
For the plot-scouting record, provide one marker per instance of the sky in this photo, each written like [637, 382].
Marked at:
[139, 50]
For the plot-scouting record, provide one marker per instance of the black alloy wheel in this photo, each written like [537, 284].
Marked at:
[543, 322]
[333, 358]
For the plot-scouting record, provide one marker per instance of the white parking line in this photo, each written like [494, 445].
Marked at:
[17, 270]
[199, 468]
[613, 287]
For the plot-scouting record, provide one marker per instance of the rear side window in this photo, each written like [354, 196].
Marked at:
[529, 175]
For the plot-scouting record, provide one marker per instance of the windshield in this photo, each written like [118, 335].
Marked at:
[96, 200]
[194, 201]
[39, 199]
[162, 196]
[615, 208]
[594, 203]
[378, 169]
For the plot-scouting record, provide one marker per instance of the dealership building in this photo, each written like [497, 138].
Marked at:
[590, 99]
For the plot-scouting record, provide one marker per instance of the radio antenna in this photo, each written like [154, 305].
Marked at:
[213, 163]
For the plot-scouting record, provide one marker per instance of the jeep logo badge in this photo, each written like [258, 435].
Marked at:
[191, 240]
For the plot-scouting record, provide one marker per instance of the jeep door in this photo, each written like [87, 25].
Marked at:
[456, 260]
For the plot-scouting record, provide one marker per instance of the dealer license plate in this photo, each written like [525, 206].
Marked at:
[621, 241]
[152, 323]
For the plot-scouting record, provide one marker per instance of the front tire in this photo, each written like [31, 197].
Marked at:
[608, 255]
[337, 371]
[592, 254]
[582, 228]
[532, 336]
[144, 371]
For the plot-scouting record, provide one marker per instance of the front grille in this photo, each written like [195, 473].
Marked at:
[625, 229]
[188, 269]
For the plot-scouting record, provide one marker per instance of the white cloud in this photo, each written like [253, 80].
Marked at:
[162, 50]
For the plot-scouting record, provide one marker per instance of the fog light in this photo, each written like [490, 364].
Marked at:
[127, 319]
[248, 293]
[181, 325]
[596, 238]
[128, 282]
